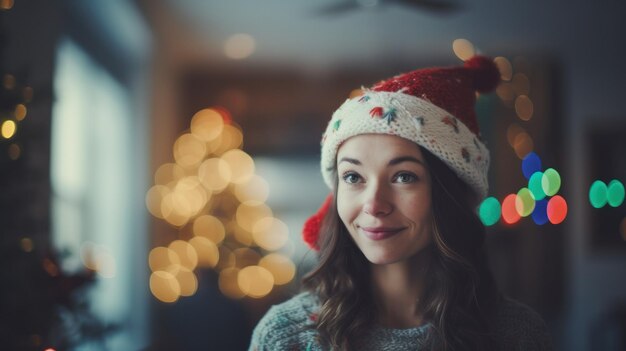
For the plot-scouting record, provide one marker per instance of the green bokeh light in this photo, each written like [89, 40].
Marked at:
[598, 194]
[615, 193]
[525, 202]
[489, 211]
[535, 185]
[551, 182]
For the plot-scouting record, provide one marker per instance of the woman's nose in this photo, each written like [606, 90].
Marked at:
[376, 202]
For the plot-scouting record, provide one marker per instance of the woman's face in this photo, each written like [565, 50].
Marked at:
[384, 196]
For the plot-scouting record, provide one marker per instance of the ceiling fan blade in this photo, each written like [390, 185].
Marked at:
[440, 6]
[337, 8]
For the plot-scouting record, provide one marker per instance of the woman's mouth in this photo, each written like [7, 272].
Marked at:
[379, 233]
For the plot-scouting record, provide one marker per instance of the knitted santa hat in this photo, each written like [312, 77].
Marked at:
[433, 107]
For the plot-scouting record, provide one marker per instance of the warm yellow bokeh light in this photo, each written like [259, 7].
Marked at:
[524, 107]
[227, 258]
[241, 165]
[215, 174]
[239, 46]
[270, 233]
[511, 133]
[245, 257]
[228, 285]
[8, 129]
[231, 138]
[505, 92]
[207, 124]
[14, 151]
[189, 196]
[505, 68]
[161, 258]
[243, 236]
[186, 280]
[209, 227]
[255, 281]
[250, 212]
[20, 112]
[168, 173]
[164, 286]
[186, 253]
[281, 267]
[175, 210]
[208, 253]
[189, 150]
[463, 49]
[255, 189]
[520, 84]
[523, 145]
[154, 197]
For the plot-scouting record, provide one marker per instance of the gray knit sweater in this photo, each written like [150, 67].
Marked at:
[284, 327]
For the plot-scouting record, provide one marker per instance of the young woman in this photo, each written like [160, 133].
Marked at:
[401, 260]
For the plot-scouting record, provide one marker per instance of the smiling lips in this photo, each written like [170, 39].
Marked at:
[380, 233]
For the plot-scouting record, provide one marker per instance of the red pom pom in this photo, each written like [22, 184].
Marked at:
[485, 72]
[311, 229]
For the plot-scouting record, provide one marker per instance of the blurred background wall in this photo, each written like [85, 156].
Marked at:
[158, 158]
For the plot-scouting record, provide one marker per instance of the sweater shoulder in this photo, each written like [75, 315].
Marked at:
[288, 325]
[519, 327]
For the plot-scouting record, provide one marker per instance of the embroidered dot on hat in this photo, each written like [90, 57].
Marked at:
[433, 107]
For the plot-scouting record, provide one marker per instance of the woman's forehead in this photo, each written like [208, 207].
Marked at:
[382, 146]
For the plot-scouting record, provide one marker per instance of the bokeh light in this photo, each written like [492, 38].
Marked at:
[8, 129]
[245, 257]
[186, 280]
[186, 253]
[189, 150]
[463, 49]
[250, 212]
[615, 193]
[524, 107]
[557, 209]
[241, 165]
[228, 284]
[524, 202]
[598, 194]
[27, 244]
[154, 198]
[215, 174]
[255, 281]
[14, 151]
[551, 182]
[227, 258]
[505, 92]
[20, 112]
[521, 84]
[281, 267]
[168, 173]
[6, 5]
[208, 253]
[164, 286]
[9, 80]
[161, 258]
[505, 68]
[509, 212]
[490, 211]
[255, 189]
[207, 124]
[239, 46]
[270, 233]
[523, 144]
[535, 185]
[209, 227]
[531, 164]
[540, 214]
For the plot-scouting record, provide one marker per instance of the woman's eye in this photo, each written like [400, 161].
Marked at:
[405, 178]
[351, 178]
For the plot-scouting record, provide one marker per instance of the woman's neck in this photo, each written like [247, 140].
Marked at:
[397, 288]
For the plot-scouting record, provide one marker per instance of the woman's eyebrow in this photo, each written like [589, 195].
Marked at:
[401, 159]
[354, 161]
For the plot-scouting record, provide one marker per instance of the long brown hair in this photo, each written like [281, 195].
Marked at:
[460, 294]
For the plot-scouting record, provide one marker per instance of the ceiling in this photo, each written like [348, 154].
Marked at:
[296, 32]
